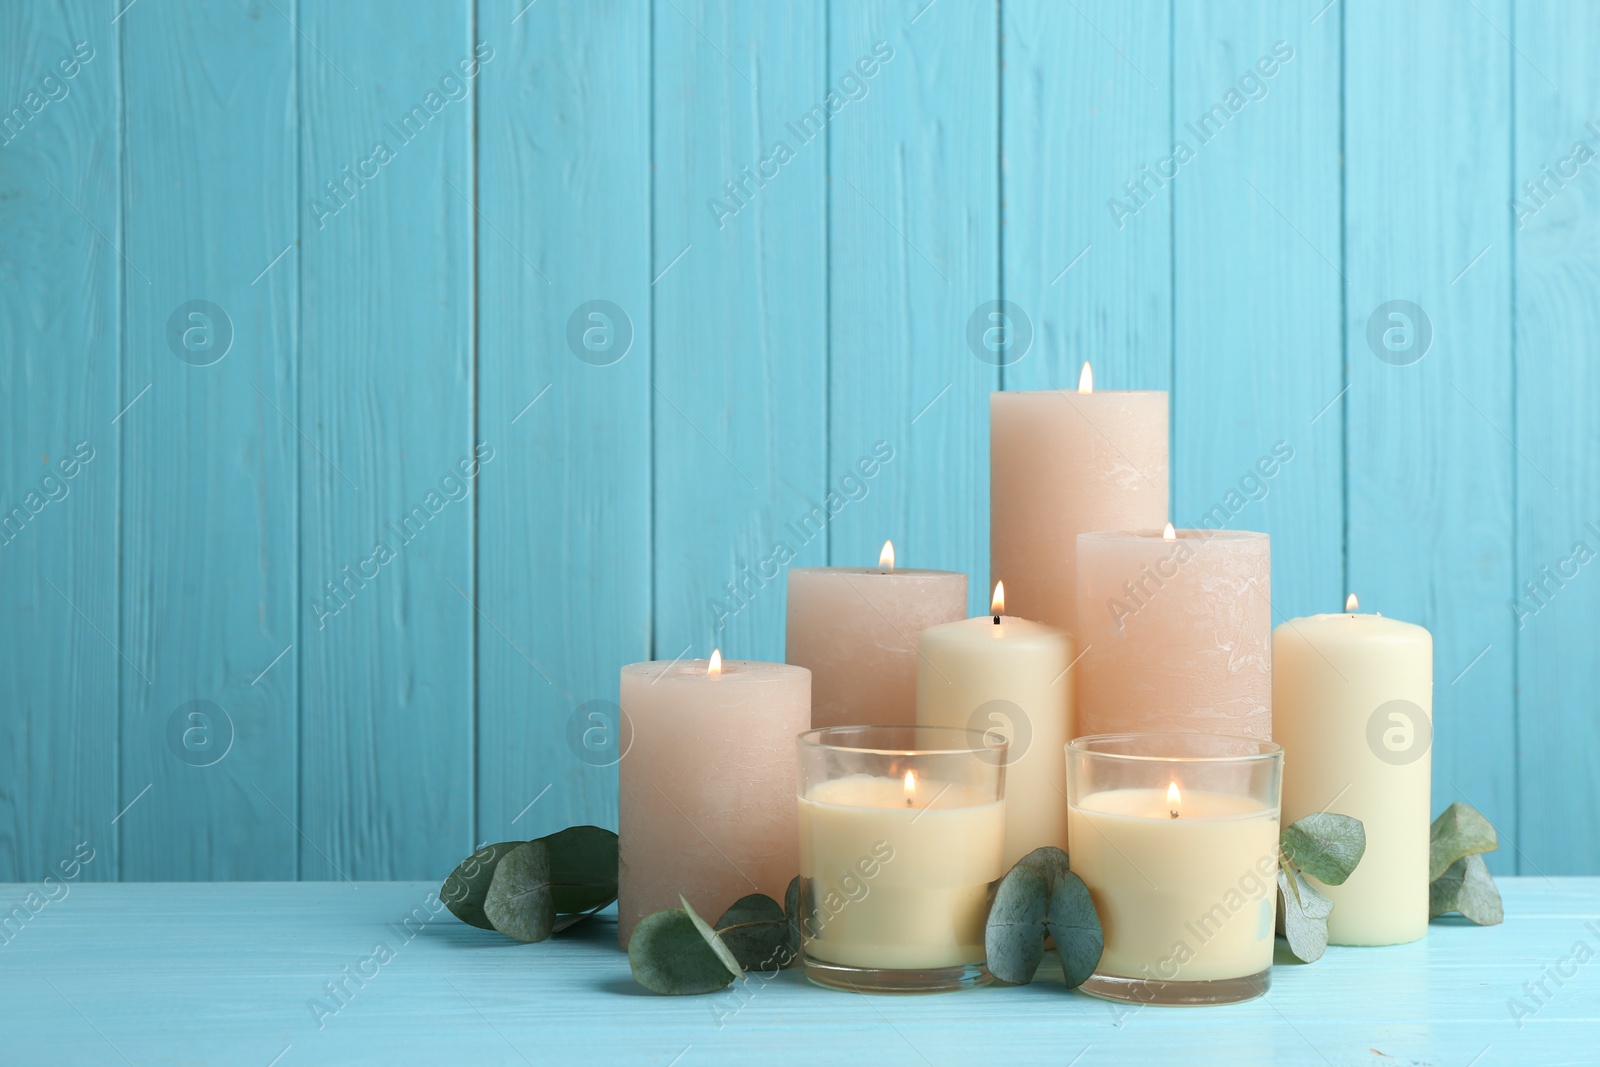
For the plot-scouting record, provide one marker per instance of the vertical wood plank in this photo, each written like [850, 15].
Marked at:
[740, 296]
[60, 326]
[1427, 147]
[564, 573]
[1085, 103]
[913, 219]
[1258, 361]
[388, 470]
[1555, 213]
[209, 513]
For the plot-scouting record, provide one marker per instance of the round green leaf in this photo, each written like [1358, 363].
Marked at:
[1013, 938]
[1459, 831]
[463, 892]
[1302, 915]
[1075, 925]
[669, 954]
[583, 868]
[756, 931]
[1468, 888]
[727, 957]
[1325, 845]
[519, 903]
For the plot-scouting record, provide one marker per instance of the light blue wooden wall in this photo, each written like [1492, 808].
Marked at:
[578, 309]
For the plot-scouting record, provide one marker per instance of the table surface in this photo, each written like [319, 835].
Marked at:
[239, 973]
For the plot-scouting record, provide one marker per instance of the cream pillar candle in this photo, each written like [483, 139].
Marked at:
[1063, 463]
[900, 870]
[856, 629]
[1007, 675]
[1187, 899]
[707, 785]
[1175, 632]
[1353, 709]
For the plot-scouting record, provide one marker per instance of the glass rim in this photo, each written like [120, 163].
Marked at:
[1266, 751]
[963, 742]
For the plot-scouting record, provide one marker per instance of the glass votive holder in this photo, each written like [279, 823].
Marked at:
[1176, 836]
[901, 831]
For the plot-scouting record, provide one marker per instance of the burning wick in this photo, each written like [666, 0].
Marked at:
[997, 603]
[911, 786]
[1172, 800]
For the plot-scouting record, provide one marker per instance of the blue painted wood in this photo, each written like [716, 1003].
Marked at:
[246, 973]
[209, 518]
[739, 288]
[1430, 460]
[913, 224]
[60, 326]
[1086, 103]
[394, 328]
[1555, 225]
[390, 455]
[1258, 283]
[564, 109]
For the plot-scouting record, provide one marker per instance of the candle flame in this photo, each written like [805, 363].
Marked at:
[714, 667]
[1350, 603]
[1173, 800]
[886, 557]
[1169, 534]
[911, 786]
[1086, 379]
[997, 603]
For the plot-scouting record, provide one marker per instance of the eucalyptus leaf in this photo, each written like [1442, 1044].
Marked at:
[1325, 845]
[729, 960]
[673, 952]
[1458, 832]
[1075, 925]
[519, 903]
[1013, 939]
[463, 892]
[1466, 887]
[756, 931]
[583, 864]
[791, 908]
[1302, 915]
[1041, 896]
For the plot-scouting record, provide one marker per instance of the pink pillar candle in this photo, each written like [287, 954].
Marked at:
[856, 628]
[707, 785]
[1175, 635]
[1063, 463]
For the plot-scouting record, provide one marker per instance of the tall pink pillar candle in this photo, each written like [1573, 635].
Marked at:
[1063, 463]
[856, 628]
[1175, 635]
[708, 785]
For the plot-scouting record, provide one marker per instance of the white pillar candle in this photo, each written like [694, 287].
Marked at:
[1353, 709]
[1062, 463]
[1186, 899]
[1175, 632]
[899, 870]
[856, 629]
[707, 784]
[1001, 674]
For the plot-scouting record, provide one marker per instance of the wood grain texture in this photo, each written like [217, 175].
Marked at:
[1427, 144]
[242, 974]
[387, 464]
[1085, 102]
[1258, 283]
[208, 519]
[60, 330]
[1556, 223]
[564, 519]
[741, 319]
[913, 225]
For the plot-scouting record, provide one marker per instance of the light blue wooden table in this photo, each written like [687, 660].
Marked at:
[229, 973]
